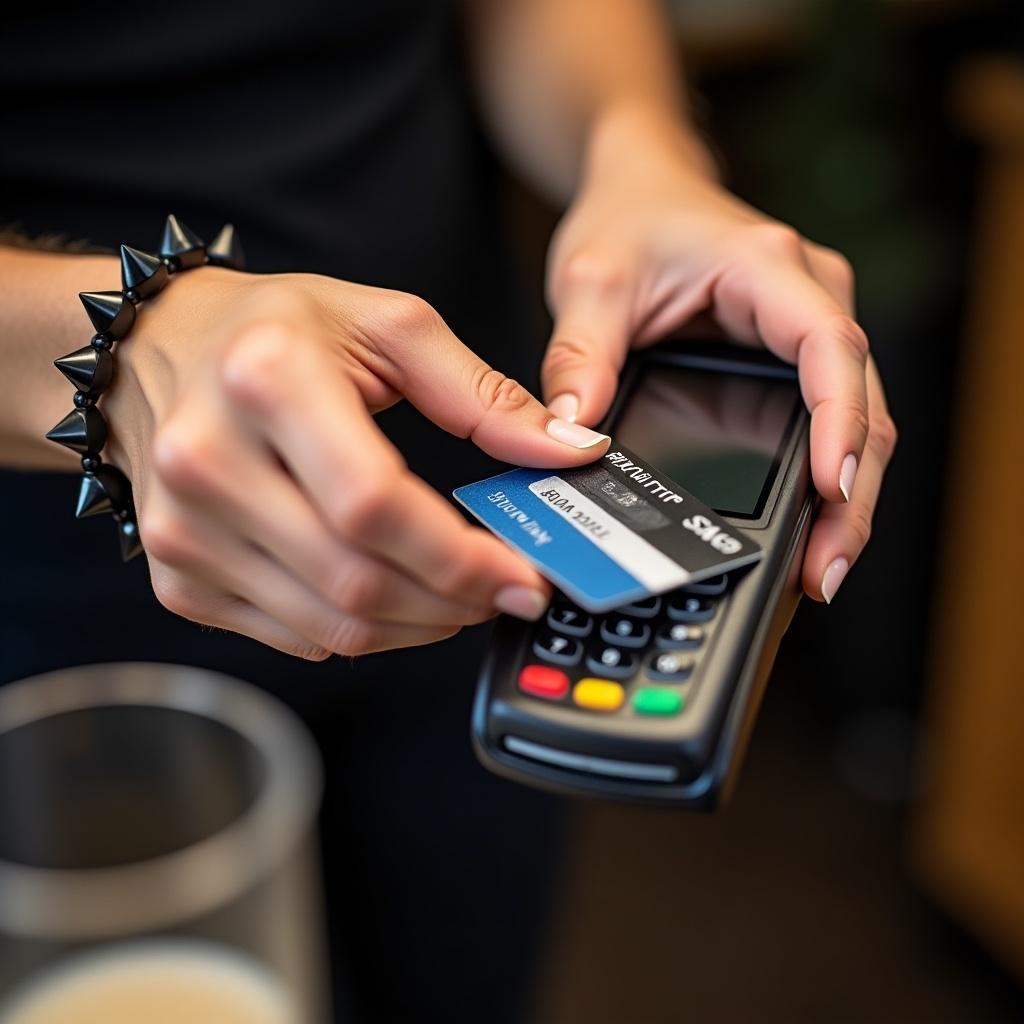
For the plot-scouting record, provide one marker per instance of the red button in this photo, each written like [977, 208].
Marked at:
[542, 681]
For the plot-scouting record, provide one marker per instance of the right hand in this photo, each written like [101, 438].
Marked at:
[269, 502]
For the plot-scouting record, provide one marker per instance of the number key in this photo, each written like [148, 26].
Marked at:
[691, 609]
[617, 629]
[679, 634]
[671, 666]
[562, 650]
[566, 619]
[613, 662]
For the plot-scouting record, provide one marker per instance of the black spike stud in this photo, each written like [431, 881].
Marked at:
[142, 272]
[110, 312]
[226, 250]
[89, 369]
[104, 490]
[92, 498]
[82, 430]
[128, 534]
[181, 246]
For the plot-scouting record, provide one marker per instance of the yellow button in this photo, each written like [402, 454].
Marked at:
[598, 694]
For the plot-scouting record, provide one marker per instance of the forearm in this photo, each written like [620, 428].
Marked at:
[41, 319]
[562, 79]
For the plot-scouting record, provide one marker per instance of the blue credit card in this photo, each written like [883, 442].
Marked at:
[609, 533]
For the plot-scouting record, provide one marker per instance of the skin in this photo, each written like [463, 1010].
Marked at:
[269, 501]
[235, 391]
[687, 253]
[586, 102]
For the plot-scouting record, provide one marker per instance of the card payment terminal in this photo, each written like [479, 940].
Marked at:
[654, 702]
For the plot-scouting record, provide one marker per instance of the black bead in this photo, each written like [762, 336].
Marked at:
[109, 312]
[89, 369]
[141, 272]
[82, 430]
[90, 463]
[170, 264]
[181, 245]
[84, 401]
[133, 296]
[102, 341]
[226, 250]
[128, 534]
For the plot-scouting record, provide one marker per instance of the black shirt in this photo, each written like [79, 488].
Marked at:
[339, 139]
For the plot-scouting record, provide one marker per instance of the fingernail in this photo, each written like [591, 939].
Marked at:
[574, 434]
[847, 474]
[565, 406]
[522, 602]
[834, 576]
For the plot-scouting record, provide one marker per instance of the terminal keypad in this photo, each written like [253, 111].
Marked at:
[640, 659]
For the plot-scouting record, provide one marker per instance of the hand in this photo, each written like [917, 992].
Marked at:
[649, 245]
[269, 502]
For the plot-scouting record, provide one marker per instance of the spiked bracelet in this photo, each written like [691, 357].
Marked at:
[91, 369]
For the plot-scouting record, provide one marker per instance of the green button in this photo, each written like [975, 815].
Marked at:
[649, 701]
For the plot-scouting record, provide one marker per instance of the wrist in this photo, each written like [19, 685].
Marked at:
[42, 320]
[170, 343]
[104, 487]
[635, 137]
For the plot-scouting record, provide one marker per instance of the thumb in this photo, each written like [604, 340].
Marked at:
[457, 390]
[588, 346]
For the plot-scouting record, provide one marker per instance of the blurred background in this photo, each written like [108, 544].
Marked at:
[871, 865]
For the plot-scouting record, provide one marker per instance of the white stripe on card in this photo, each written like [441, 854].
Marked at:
[656, 571]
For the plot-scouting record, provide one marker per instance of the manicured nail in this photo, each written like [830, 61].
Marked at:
[522, 602]
[574, 434]
[834, 576]
[847, 474]
[565, 406]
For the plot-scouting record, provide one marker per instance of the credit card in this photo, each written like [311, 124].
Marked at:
[609, 533]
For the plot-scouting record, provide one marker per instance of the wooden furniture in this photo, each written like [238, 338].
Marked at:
[969, 835]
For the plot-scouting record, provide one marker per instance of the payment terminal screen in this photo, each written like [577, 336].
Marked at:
[720, 435]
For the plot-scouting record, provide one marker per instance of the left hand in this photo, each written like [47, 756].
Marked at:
[650, 245]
